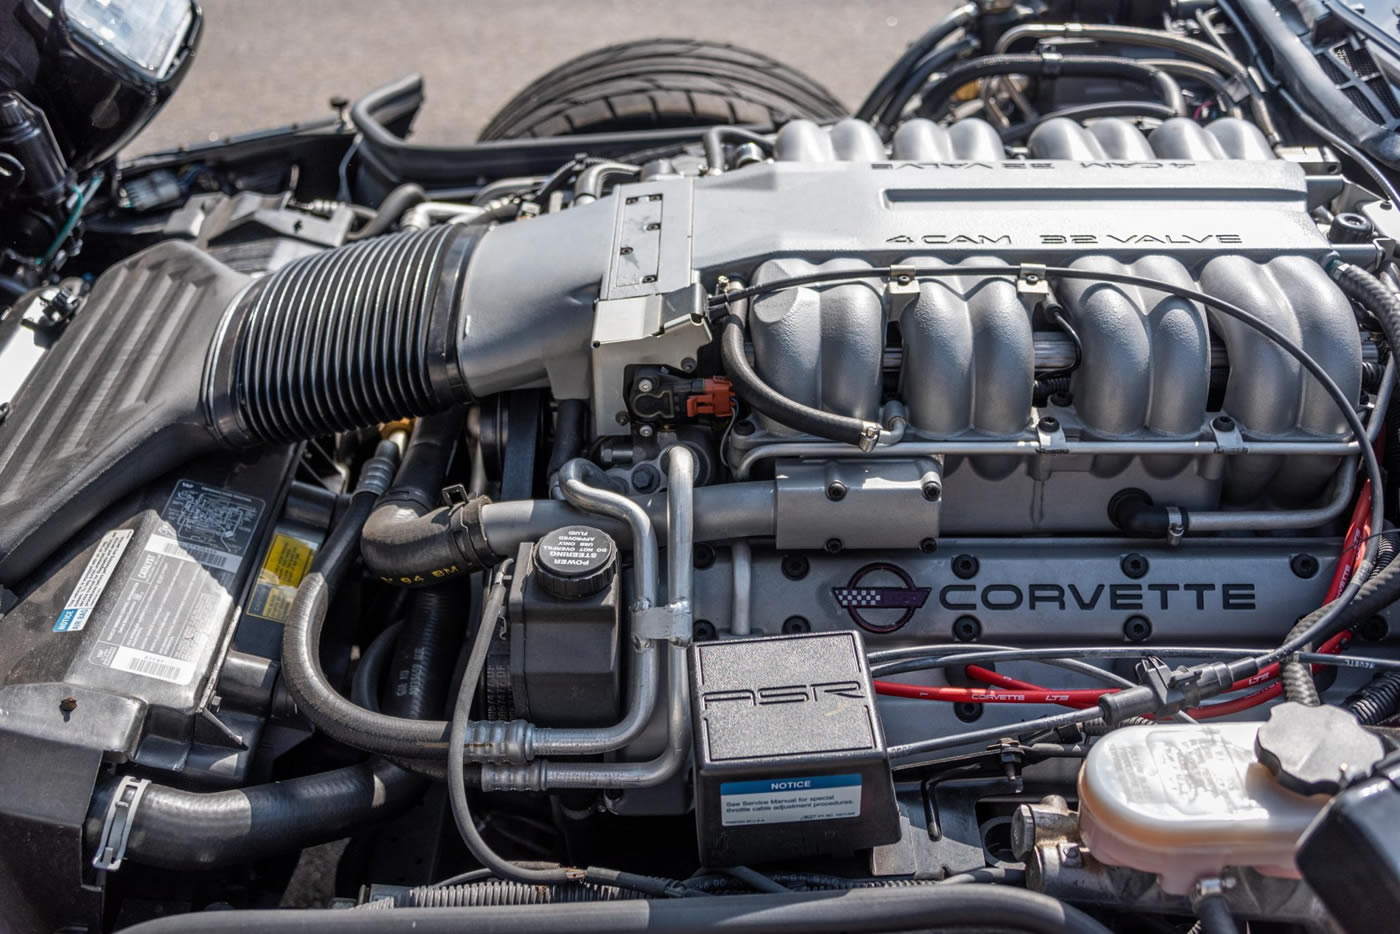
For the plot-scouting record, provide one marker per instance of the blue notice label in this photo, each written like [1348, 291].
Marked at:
[788, 800]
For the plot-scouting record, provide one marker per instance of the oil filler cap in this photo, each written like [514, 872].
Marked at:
[1315, 750]
[575, 562]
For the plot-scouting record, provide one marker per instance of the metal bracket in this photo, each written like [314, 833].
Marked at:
[1228, 440]
[1051, 441]
[116, 826]
[1030, 280]
[1176, 525]
[669, 623]
[903, 288]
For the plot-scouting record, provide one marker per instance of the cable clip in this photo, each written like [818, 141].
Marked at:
[1176, 525]
[903, 287]
[1053, 60]
[116, 826]
[1031, 280]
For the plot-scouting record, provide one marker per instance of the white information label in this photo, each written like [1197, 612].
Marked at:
[162, 667]
[94, 580]
[789, 800]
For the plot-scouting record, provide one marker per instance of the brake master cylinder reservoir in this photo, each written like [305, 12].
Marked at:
[1185, 801]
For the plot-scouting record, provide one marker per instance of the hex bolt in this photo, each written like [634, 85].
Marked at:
[795, 567]
[1048, 423]
[833, 546]
[688, 364]
[645, 478]
[836, 491]
[794, 625]
[743, 427]
[1137, 629]
[622, 418]
[1303, 565]
[928, 545]
[703, 631]
[1223, 423]
[645, 384]
[966, 566]
[932, 491]
[646, 431]
[1134, 565]
[967, 629]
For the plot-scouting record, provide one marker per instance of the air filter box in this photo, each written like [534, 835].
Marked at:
[790, 760]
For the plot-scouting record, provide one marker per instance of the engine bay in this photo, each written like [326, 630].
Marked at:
[961, 506]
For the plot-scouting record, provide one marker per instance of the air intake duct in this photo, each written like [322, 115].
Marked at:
[173, 355]
[343, 339]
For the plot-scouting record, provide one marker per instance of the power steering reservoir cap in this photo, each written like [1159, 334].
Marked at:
[575, 562]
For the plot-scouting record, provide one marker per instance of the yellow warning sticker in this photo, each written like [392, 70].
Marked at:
[286, 563]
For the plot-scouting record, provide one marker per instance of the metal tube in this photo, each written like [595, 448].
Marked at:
[545, 774]
[741, 555]
[646, 555]
[722, 512]
[1027, 447]
[1258, 520]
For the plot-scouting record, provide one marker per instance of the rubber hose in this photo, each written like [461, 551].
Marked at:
[873, 104]
[176, 829]
[315, 697]
[570, 433]
[1371, 374]
[1215, 916]
[764, 399]
[1049, 386]
[409, 539]
[1378, 701]
[860, 911]
[714, 145]
[369, 672]
[392, 208]
[1067, 66]
[1372, 294]
[930, 64]
[426, 651]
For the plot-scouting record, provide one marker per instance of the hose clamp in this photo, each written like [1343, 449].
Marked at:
[1176, 525]
[1053, 60]
[670, 623]
[116, 826]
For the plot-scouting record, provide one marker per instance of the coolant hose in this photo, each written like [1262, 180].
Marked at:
[1214, 914]
[176, 829]
[392, 208]
[411, 540]
[316, 698]
[1059, 66]
[766, 400]
[426, 651]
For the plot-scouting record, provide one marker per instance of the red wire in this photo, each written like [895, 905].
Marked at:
[1015, 691]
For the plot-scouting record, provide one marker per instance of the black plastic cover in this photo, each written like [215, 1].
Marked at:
[1350, 856]
[116, 402]
[790, 758]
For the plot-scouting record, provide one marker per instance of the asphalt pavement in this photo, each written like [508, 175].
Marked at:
[264, 63]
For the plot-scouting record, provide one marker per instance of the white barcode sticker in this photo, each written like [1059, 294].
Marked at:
[98, 572]
[152, 665]
[209, 557]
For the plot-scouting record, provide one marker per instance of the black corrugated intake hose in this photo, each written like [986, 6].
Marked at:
[350, 337]
[393, 206]
[501, 892]
[858, 911]
[1378, 701]
[766, 400]
[933, 95]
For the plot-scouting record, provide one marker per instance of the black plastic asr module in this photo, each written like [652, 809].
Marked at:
[790, 760]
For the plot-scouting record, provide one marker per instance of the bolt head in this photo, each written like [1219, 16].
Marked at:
[645, 385]
[646, 431]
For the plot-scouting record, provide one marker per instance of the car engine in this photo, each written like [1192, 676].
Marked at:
[724, 499]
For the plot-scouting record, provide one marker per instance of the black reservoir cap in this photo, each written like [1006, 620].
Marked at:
[574, 562]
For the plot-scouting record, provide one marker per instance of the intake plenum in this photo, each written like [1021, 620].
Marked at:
[343, 339]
